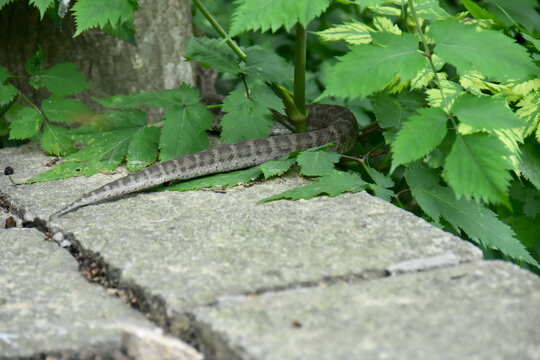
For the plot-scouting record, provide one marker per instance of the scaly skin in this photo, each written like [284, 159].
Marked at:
[328, 124]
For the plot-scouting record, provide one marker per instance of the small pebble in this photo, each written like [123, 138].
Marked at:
[8, 170]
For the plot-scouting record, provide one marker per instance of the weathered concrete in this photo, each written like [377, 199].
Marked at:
[47, 307]
[483, 310]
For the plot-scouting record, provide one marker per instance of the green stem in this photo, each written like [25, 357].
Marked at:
[220, 30]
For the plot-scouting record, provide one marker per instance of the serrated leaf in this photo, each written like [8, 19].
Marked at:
[477, 167]
[485, 113]
[317, 163]
[382, 184]
[479, 12]
[266, 65]
[355, 33]
[276, 167]
[65, 110]
[478, 222]
[7, 93]
[184, 131]
[26, 124]
[530, 162]
[4, 3]
[61, 80]
[213, 52]
[248, 118]
[332, 185]
[42, 5]
[143, 148]
[529, 110]
[384, 24]
[369, 68]
[273, 14]
[124, 30]
[64, 170]
[450, 90]
[229, 179]
[184, 95]
[430, 10]
[418, 136]
[4, 74]
[93, 13]
[57, 140]
[490, 52]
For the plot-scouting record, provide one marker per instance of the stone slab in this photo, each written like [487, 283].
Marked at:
[48, 308]
[187, 249]
[483, 310]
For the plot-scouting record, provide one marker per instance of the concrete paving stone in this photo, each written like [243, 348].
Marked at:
[48, 308]
[187, 249]
[483, 310]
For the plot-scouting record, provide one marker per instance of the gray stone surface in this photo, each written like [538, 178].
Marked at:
[483, 310]
[189, 248]
[47, 307]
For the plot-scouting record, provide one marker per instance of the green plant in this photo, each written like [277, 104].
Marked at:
[454, 97]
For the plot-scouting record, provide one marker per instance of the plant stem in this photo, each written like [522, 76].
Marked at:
[220, 31]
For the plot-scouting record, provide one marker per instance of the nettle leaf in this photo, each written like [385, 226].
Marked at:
[213, 52]
[273, 14]
[184, 130]
[143, 148]
[382, 184]
[369, 68]
[185, 95]
[490, 52]
[26, 123]
[332, 184]
[317, 163]
[418, 136]
[485, 113]
[276, 167]
[229, 179]
[477, 167]
[248, 118]
[93, 13]
[57, 140]
[65, 110]
[355, 33]
[266, 65]
[478, 222]
[42, 5]
[62, 80]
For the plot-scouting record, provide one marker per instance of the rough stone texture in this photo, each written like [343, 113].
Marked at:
[47, 307]
[483, 310]
[189, 248]
[112, 66]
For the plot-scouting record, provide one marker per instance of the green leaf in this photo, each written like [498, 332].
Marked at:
[477, 167]
[276, 167]
[143, 148]
[430, 10]
[485, 113]
[355, 33]
[65, 110]
[57, 140]
[530, 162]
[382, 184]
[26, 124]
[479, 12]
[419, 136]
[4, 3]
[213, 52]
[229, 179]
[93, 13]
[478, 222]
[184, 96]
[490, 52]
[248, 118]
[317, 163]
[267, 66]
[332, 184]
[124, 30]
[184, 130]
[4, 74]
[7, 92]
[529, 110]
[273, 14]
[64, 170]
[42, 5]
[514, 12]
[369, 68]
[61, 79]
[451, 91]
